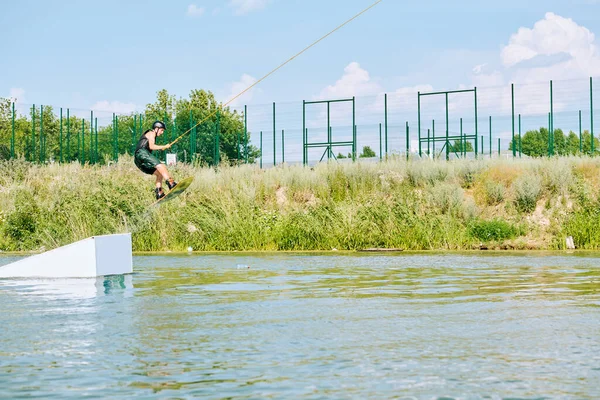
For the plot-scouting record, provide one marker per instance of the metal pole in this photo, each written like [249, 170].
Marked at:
[12, 141]
[33, 133]
[81, 155]
[61, 136]
[282, 146]
[354, 128]
[512, 91]
[328, 131]
[386, 125]
[246, 133]
[447, 131]
[419, 121]
[42, 150]
[274, 144]
[551, 118]
[113, 135]
[116, 138]
[549, 137]
[407, 141]
[592, 114]
[380, 144]
[68, 136]
[304, 132]
[91, 137]
[96, 143]
[498, 147]
[261, 151]
[428, 142]
[476, 122]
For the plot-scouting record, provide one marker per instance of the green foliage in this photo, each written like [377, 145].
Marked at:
[461, 145]
[22, 223]
[493, 230]
[347, 206]
[367, 152]
[494, 193]
[536, 143]
[527, 189]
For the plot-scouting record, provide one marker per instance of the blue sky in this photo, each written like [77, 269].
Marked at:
[115, 55]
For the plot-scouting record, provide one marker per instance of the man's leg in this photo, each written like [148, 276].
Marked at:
[162, 169]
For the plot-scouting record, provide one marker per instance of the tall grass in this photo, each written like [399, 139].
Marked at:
[417, 205]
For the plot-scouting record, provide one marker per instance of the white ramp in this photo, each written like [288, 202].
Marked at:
[92, 257]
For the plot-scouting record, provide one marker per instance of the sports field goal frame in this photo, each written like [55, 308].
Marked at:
[329, 144]
[447, 138]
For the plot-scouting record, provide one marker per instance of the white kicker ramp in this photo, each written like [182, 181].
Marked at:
[91, 257]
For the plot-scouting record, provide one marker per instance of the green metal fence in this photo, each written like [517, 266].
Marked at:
[474, 122]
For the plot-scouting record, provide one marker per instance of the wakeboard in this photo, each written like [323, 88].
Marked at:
[176, 191]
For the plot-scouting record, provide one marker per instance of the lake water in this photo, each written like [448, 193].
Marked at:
[310, 326]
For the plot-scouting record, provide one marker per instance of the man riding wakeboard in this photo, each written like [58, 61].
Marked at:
[148, 163]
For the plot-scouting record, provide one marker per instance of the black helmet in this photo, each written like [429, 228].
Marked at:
[158, 125]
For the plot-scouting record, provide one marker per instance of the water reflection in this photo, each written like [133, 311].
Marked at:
[309, 326]
[68, 288]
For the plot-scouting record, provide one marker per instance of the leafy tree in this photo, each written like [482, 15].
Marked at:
[367, 152]
[460, 146]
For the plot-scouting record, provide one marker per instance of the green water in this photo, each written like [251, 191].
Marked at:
[406, 326]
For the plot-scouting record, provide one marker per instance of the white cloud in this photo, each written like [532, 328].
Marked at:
[555, 48]
[195, 11]
[355, 81]
[242, 7]
[114, 107]
[235, 88]
[17, 95]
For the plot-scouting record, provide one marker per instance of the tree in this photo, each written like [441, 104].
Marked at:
[198, 120]
[460, 145]
[367, 153]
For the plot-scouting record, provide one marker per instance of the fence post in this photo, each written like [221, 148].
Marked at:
[61, 136]
[32, 155]
[96, 142]
[68, 136]
[512, 95]
[380, 146]
[592, 114]
[12, 141]
[261, 151]
[42, 150]
[386, 126]
[246, 133]
[407, 141]
[551, 132]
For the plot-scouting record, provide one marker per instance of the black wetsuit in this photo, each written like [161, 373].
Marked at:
[143, 157]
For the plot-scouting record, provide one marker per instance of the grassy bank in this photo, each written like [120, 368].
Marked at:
[503, 204]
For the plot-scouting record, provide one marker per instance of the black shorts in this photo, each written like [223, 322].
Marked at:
[145, 161]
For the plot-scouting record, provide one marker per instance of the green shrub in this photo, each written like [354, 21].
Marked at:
[528, 189]
[494, 193]
[493, 230]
